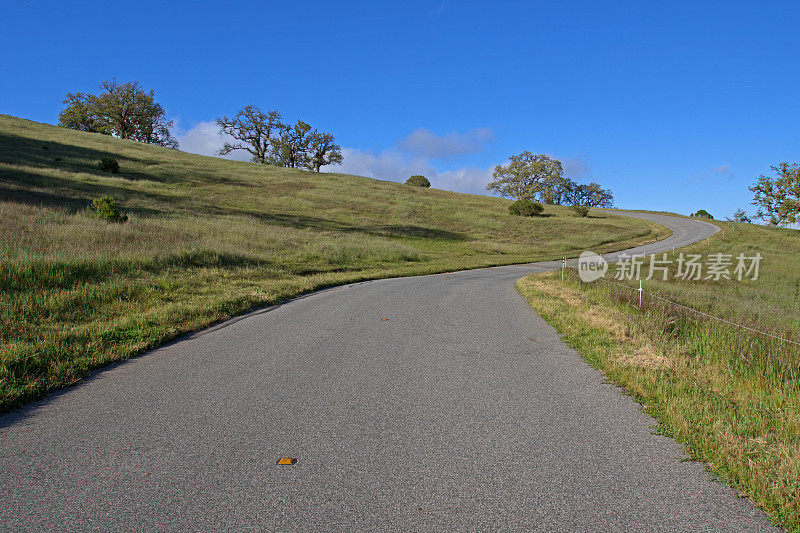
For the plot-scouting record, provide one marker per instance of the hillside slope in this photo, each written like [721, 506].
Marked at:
[209, 238]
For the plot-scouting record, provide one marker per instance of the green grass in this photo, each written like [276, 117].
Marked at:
[207, 239]
[730, 396]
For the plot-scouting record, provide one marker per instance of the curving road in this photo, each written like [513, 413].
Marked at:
[462, 411]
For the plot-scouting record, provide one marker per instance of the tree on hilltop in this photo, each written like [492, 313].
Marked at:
[254, 130]
[525, 176]
[323, 151]
[778, 198]
[271, 141]
[291, 147]
[124, 110]
[79, 114]
[529, 176]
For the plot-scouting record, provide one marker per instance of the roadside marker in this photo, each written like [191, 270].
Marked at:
[286, 461]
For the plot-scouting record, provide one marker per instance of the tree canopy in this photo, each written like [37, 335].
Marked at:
[525, 176]
[323, 151]
[124, 110]
[741, 216]
[702, 213]
[778, 198]
[529, 176]
[254, 130]
[271, 141]
[418, 181]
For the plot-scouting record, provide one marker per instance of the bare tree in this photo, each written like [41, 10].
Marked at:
[255, 131]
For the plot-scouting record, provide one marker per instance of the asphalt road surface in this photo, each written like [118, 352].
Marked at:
[445, 416]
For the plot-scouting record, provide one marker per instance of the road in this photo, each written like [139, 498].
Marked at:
[462, 410]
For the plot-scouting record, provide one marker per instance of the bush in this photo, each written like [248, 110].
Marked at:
[526, 208]
[702, 214]
[106, 208]
[581, 210]
[418, 181]
[108, 164]
[741, 216]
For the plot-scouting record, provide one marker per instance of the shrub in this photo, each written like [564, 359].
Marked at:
[526, 208]
[418, 181]
[109, 164]
[581, 210]
[741, 216]
[702, 214]
[106, 208]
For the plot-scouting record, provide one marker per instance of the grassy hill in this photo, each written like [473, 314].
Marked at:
[209, 238]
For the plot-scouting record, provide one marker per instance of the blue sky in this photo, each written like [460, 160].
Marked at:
[676, 106]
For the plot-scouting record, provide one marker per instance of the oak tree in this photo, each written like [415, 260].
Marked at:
[254, 130]
[291, 147]
[778, 198]
[323, 151]
[124, 110]
[526, 176]
[79, 114]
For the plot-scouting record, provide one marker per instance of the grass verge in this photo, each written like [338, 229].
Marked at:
[730, 396]
[207, 239]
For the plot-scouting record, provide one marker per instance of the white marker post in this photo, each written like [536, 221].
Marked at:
[640, 294]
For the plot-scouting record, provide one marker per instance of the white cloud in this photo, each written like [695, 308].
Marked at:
[424, 143]
[471, 180]
[204, 139]
[575, 167]
[395, 165]
[411, 156]
[723, 169]
[414, 155]
[390, 164]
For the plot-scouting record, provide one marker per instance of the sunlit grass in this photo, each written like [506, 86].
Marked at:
[207, 239]
[730, 395]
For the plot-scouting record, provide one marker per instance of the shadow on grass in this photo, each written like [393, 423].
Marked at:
[16, 185]
[16, 150]
[326, 224]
